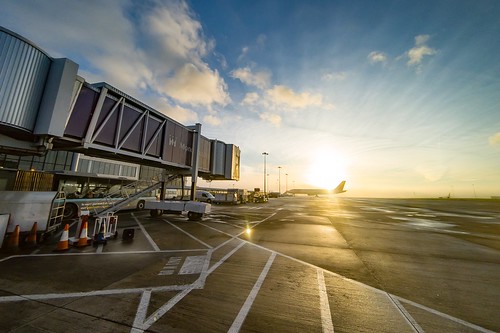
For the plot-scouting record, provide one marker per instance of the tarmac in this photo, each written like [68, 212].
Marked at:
[296, 264]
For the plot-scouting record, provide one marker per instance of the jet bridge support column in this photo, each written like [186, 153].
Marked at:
[194, 165]
[162, 186]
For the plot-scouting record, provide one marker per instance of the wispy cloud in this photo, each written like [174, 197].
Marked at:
[259, 79]
[277, 99]
[212, 120]
[272, 118]
[376, 57]
[417, 53]
[243, 54]
[338, 76]
[281, 95]
[250, 98]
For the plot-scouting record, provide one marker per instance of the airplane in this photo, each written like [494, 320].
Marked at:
[318, 191]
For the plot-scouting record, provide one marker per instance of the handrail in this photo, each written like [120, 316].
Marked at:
[146, 186]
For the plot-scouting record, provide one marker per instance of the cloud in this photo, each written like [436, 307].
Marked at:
[281, 95]
[272, 118]
[197, 86]
[212, 120]
[175, 31]
[419, 51]
[159, 47]
[243, 54]
[339, 76]
[176, 112]
[495, 139]
[377, 56]
[251, 98]
[259, 79]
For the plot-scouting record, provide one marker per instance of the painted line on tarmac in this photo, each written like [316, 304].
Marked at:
[444, 315]
[376, 290]
[188, 234]
[93, 253]
[148, 237]
[411, 321]
[326, 314]
[240, 318]
[148, 322]
[142, 311]
[41, 297]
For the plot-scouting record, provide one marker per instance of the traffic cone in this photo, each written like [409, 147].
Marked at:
[31, 238]
[83, 240]
[13, 240]
[63, 244]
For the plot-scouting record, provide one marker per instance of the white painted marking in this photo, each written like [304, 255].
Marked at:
[177, 298]
[170, 266]
[141, 313]
[192, 265]
[240, 318]
[38, 297]
[148, 237]
[411, 321]
[187, 233]
[100, 248]
[444, 315]
[215, 266]
[326, 315]
[379, 291]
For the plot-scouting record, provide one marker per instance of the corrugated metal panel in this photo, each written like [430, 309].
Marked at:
[218, 153]
[232, 162]
[23, 72]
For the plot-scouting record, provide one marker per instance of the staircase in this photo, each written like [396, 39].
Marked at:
[129, 193]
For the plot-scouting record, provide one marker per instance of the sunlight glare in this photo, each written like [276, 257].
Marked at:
[327, 170]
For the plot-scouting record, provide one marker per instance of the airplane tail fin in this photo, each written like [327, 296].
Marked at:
[340, 188]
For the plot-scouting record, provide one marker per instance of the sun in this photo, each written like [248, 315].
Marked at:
[327, 169]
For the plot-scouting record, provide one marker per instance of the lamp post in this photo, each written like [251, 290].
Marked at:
[279, 180]
[265, 154]
[286, 184]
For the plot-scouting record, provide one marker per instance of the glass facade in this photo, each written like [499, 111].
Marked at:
[52, 161]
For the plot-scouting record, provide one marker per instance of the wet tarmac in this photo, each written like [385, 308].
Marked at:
[290, 265]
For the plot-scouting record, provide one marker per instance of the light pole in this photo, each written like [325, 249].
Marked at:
[279, 180]
[265, 154]
[286, 184]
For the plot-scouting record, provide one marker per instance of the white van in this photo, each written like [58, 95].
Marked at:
[204, 196]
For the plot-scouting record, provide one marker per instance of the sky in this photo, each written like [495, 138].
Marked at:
[399, 98]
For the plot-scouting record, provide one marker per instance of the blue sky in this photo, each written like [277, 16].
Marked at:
[400, 98]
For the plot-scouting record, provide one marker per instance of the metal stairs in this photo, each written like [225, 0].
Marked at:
[129, 193]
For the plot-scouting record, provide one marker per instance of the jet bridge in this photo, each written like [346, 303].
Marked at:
[45, 105]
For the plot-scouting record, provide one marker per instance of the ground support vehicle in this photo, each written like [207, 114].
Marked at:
[27, 207]
[193, 209]
[258, 197]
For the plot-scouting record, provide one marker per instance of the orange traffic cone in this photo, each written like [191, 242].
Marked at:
[83, 240]
[13, 240]
[63, 244]
[31, 238]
